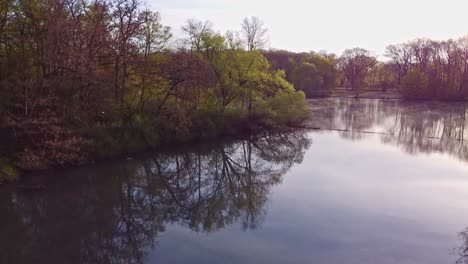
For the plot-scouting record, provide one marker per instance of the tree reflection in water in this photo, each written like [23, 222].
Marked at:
[416, 127]
[113, 213]
[462, 250]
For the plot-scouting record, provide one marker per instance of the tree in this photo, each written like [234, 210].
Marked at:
[414, 84]
[98, 77]
[255, 33]
[195, 31]
[233, 39]
[355, 65]
[313, 73]
[154, 38]
[381, 76]
[126, 24]
[444, 63]
[401, 58]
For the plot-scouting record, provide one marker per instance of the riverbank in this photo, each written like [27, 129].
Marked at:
[389, 94]
[118, 143]
[118, 140]
[366, 94]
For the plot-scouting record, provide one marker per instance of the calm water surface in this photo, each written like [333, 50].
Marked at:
[380, 182]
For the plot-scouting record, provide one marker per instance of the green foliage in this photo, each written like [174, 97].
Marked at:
[8, 172]
[314, 74]
[289, 109]
[210, 123]
[116, 141]
[114, 87]
[414, 85]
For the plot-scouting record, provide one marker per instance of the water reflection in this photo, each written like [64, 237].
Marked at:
[462, 250]
[416, 127]
[114, 213]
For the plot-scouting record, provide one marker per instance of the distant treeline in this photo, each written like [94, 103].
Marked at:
[97, 78]
[431, 69]
[419, 69]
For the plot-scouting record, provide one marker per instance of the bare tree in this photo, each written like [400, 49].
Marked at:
[422, 51]
[356, 64]
[444, 63]
[195, 31]
[234, 40]
[126, 26]
[401, 58]
[255, 33]
[155, 37]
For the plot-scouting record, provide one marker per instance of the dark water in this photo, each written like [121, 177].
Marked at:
[382, 182]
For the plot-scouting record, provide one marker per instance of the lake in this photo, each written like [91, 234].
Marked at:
[370, 181]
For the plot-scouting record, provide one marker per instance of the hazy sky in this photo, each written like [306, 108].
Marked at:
[331, 25]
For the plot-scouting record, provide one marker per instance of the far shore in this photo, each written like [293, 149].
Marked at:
[343, 92]
[387, 94]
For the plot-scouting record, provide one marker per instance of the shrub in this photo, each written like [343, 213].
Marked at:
[211, 122]
[50, 141]
[114, 141]
[289, 109]
[8, 172]
[414, 85]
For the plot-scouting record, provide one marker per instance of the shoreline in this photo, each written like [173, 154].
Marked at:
[162, 147]
[165, 146]
[389, 94]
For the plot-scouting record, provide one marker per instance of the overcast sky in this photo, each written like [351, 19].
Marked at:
[331, 25]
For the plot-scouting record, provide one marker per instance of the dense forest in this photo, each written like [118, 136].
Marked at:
[91, 79]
